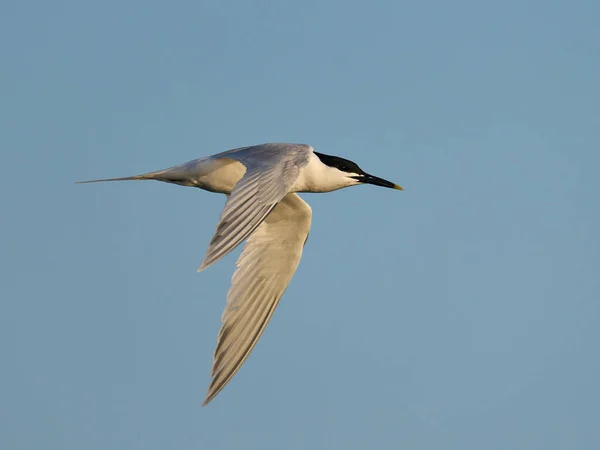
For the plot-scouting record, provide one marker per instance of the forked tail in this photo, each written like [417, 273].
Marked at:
[177, 175]
[135, 177]
[146, 176]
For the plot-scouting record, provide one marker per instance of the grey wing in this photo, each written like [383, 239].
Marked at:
[271, 170]
[264, 270]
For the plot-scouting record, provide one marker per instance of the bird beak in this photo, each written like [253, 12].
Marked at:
[370, 179]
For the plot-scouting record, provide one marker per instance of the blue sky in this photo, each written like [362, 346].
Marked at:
[462, 313]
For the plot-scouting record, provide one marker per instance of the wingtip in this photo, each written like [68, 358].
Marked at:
[204, 264]
[209, 397]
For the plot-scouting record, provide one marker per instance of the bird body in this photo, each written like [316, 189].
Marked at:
[261, 183]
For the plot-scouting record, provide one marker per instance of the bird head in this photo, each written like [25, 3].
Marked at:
[349, 174]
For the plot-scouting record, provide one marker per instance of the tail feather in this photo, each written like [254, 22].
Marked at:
[182, 175]
[135, 177]
[171, 175]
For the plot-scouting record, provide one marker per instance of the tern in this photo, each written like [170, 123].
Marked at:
[261, 183]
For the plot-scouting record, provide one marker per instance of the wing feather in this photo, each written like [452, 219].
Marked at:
[264, 270]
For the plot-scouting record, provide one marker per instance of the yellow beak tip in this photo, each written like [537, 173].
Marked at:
[400, 188]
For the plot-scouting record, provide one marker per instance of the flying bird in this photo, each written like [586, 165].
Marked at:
[261, 183]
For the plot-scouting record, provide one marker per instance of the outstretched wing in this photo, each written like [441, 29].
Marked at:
[271, 170]
[264, 270]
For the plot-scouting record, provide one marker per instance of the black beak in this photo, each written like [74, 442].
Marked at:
[370, 179]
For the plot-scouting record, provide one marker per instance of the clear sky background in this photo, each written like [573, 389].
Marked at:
[460, 314]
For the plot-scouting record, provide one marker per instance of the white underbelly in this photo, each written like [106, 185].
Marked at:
[220, 175]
